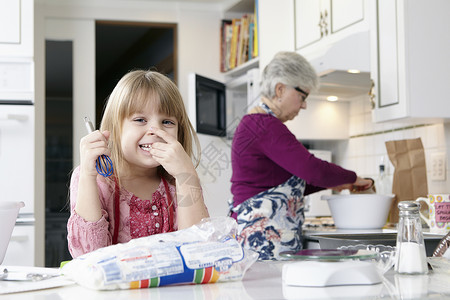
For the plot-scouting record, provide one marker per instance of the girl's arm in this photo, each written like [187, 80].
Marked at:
[87, 202]
[171, 155]
[84, 236]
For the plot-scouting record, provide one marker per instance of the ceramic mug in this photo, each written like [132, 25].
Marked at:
[438, 218]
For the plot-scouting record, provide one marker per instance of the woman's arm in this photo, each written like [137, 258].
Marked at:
[281, 146]
[171, 155]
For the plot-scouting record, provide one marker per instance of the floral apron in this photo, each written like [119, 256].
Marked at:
[271, 221]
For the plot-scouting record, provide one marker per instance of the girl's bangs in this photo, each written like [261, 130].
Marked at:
[139, 100]
[147, 91]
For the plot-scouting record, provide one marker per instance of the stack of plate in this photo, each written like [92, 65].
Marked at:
[331, 267]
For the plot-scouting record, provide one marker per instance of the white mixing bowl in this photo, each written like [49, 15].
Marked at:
[8, 216]
[359, 211]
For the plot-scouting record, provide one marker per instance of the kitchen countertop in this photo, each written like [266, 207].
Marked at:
[263, 281]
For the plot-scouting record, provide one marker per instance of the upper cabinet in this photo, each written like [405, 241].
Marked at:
[409, 59]
[317, 20]
[16, 23]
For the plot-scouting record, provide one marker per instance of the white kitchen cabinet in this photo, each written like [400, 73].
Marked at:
[312, 21]
[16, 23]
[10, 22]
[318, 20]
[276, 28]
[409, 59]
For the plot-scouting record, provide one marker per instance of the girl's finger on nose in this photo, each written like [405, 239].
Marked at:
[162, 134]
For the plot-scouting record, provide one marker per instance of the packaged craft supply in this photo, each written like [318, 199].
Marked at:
[207, 252]
[442, 248]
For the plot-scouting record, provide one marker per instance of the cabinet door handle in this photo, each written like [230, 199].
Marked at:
[13, 117]
[320, 25]
[323, 24]
[325, 21]
[19, 238]
[372, 94]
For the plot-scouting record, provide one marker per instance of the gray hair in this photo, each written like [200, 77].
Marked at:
[289, 68]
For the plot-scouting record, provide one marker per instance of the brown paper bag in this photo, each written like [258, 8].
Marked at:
[410, 174]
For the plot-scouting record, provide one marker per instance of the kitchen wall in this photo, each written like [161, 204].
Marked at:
[215, 172]
[366, 145]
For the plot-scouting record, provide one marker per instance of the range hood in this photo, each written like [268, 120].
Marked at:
[332, 65]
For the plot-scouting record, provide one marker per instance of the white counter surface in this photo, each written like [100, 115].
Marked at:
[262, 281]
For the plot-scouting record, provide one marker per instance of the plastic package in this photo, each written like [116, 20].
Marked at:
[204, 253]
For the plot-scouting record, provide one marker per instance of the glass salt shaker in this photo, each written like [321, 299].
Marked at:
[411, 255]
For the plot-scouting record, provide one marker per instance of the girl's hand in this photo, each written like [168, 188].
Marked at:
[171, 155]
[92, 146]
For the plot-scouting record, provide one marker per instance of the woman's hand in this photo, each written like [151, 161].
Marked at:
[361, 184]
[92, 146]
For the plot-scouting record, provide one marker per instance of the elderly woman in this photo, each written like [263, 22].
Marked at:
[272, 170]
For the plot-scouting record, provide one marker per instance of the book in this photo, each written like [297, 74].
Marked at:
[236, 24]
[225, 40]
[243, 36]
[255, 40]
[251, 36]
[229, 33]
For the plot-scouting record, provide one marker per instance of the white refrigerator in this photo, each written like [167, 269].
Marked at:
[17, 157]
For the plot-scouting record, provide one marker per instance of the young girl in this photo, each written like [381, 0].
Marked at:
[155, 188]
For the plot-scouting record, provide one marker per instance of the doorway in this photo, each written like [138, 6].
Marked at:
[58, 148]
[124, 46]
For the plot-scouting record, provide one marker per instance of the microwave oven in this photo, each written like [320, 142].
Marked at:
[210, 106]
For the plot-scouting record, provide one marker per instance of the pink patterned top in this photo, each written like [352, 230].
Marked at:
[138, 218]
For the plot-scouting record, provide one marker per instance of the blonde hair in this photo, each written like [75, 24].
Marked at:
[132, 94]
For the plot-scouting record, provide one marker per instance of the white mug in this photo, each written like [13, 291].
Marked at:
[438, 218]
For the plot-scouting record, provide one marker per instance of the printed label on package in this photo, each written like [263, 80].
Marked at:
[204, 255]
[144, 263]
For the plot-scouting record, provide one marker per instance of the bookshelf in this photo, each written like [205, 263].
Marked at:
[239, 38]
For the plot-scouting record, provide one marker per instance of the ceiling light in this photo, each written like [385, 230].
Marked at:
[354, 71]
[332, 98]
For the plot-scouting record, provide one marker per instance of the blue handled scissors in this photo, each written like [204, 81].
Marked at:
[104, 163]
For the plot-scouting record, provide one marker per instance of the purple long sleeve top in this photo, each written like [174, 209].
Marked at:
[265, 154]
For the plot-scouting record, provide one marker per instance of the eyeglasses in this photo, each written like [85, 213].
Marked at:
[302, 92]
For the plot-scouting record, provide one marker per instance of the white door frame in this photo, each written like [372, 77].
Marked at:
[82, 35]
